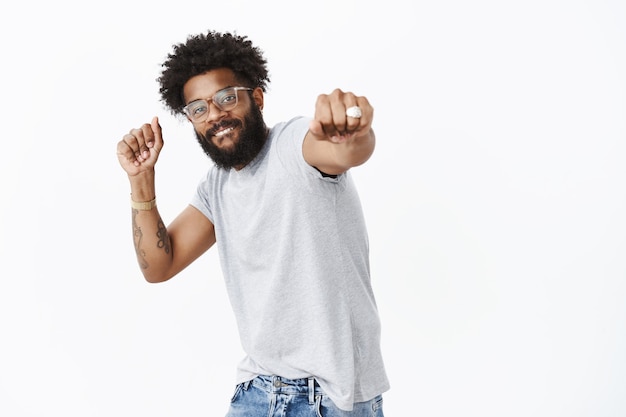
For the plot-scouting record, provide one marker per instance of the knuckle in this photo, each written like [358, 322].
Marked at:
[322, 99]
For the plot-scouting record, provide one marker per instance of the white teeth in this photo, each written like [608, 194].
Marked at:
[223, 132]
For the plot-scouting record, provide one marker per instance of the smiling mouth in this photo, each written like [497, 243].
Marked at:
[224, 132]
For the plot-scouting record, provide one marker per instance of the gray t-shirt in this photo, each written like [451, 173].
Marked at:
[294, 252]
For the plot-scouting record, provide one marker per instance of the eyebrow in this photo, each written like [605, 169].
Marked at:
[211, 97]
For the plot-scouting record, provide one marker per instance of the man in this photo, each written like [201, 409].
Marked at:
[287, 220]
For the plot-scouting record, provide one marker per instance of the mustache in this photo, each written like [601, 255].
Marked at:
[222, 125]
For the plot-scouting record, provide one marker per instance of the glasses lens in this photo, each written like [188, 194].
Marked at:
[197, 109]
[226, 99]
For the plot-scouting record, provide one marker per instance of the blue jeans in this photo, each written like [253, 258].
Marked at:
[273, 396]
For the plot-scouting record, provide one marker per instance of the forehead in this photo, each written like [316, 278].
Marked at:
[207, 84]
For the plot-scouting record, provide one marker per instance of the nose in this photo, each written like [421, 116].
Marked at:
[214, 113]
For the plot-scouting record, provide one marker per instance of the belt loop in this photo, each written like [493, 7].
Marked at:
[311, 390]
[246, 385]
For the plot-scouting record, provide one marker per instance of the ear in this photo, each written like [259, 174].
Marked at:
[258, 96]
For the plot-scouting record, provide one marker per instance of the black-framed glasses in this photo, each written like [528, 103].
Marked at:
[225, 100]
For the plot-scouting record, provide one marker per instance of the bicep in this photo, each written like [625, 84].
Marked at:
[191, 234]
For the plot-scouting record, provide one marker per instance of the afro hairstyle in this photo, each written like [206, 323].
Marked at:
[206, 52]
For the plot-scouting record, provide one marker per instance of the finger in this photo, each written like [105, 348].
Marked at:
[134, 141]
[125, 152]
[148, 141]
[364, 122]
[338, 102]
[324, 117]
[338, 108]
[346, 125]
[315, 127]
[158, 134]
[137, 140]
[325, 114]
[340, 125]
[353, 123]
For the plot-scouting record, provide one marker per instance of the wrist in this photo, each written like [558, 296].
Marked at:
[142, 188]
[142, 205]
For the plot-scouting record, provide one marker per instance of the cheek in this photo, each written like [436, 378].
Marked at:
[202, 136]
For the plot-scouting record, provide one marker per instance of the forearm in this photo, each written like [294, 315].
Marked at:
[358, 150]
[152, 244]
[351, 153]
[150, 237]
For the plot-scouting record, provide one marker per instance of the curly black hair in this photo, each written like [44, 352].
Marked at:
[205, 52]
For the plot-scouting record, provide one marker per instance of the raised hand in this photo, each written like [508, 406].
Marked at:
[340, 134]
[341, 116]
[139, 149]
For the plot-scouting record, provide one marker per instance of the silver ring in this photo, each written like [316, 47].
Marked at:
[354, 112]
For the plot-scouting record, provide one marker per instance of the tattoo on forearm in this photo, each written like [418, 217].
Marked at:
[164, 240]
[137, 238]
[162, 243]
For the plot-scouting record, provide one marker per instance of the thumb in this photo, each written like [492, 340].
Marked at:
[316, 129]
[158, 133]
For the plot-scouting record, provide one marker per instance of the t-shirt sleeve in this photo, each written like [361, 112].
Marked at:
[200, 199]
[290, 140]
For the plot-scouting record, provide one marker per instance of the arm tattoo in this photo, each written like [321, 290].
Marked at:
[164, 240]
[137, 238]
[162, 243]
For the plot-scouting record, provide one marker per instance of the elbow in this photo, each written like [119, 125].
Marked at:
[153, 278]
[155, 281]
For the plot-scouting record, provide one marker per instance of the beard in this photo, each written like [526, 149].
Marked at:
[252, 136]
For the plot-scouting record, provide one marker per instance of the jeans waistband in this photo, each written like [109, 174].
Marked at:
[278, 385]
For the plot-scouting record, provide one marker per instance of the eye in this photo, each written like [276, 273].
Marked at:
[197, 109]
[227, 97]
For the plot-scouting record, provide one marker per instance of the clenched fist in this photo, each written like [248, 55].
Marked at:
[139, 149]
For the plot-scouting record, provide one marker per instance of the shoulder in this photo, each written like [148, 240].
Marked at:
[286, 141]
[297, 126]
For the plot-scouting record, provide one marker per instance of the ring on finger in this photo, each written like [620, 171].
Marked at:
[354, 112]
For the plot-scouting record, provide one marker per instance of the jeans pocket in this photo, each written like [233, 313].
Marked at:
[324, 407]
[318, 404]
[238, 390]
[377, 406]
